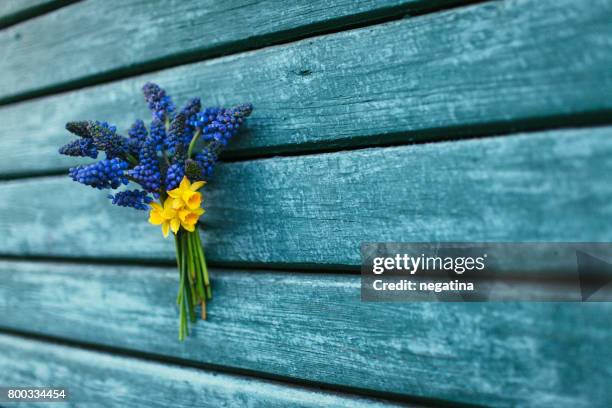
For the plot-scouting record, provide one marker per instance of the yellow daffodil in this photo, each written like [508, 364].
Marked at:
[165, 216]
[180, 209]
[186, 195]
[189, 218]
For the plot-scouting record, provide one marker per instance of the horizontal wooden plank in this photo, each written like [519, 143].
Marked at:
[14, 11]
[314, 327]
[105, 380]
[76, 43]
[317, 209]
[476, 70]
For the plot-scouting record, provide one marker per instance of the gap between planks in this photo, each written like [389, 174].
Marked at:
[450, 134]
[391, 398]
[340, 24]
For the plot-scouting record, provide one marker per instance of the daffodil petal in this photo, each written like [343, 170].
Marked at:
[175, 224]
[185, 184]
[155, 218]
[188, 227]
[176, 193]
[169, 213]
[198, 211]
[165, 228]
[195, 186]
[177, 203]
[156, 206]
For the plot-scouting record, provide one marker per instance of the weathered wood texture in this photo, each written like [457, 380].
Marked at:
[314, 327]
[317, 209]
[14, 11]
[481, 69]
[97, 379]
[93, 38]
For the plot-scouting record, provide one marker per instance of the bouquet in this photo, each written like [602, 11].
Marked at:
[170, 161]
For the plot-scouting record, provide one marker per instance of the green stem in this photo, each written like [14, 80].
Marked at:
[193, 142]
[184, 329]
[190, 256]
[183, 288]
[131, 159]
[180, 268]
[194, 283]
[203, 264]
[198, 267]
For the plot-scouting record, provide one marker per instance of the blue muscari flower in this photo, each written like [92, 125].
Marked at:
[108, 173]
[176, 132]
[224, 125]
[79, 128]
[158, 133]
[204, 118]
[206, 160]
[160, 104]
[180, 131]
[174, 175]
[190, 110]
[105, 138]
[137, 136]
[80, 147]
[217, 127]
[192, 107]
[137, 199]
[147, 172]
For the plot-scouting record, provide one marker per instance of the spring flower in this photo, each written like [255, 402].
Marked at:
[190, 110]
[105, 138]
[160, 104]
[165, 216]
[79, 128]
[220, 125]
[189, 218]
[147, 173]
[103, 174]
[158, 134]
[186, 195]
[174, 175]
[137, 136]
[206, 161]
[137, 199]
[175, 134]
[180, 209]
[80, 147]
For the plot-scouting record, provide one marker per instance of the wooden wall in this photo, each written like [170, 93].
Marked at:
[377, 120]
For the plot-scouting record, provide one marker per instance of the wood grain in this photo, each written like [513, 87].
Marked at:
[96, 379]
[95, 39]
[477, 70]
[317, 209]
[314, 327]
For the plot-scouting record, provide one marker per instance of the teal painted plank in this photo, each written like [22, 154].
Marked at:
[314, 327]
[317, 209]
[477, 70]
[94, 38]
[96, 379]
[14, 11]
